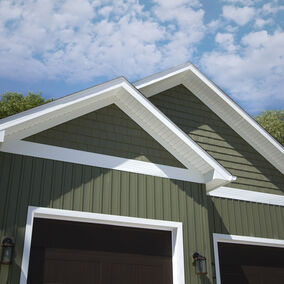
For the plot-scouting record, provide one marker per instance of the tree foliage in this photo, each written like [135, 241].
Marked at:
[12, 103]
[273, 122]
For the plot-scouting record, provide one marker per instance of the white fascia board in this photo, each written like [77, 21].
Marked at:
[271, 149]
[237, 108]
[248, 195]
[182, 70]
[60, 107]
[60, 103]
[217, 183]
[27, 129]
[2, 135]
[150, 80]
[100, 160]
[219, 170]
[70, 107]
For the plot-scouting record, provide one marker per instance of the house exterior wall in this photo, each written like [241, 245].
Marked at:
[243, 218]
[107, 131]
[235, 217]
[27, 181]
[253, 171]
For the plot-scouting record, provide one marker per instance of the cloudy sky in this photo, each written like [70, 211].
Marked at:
[59, 47]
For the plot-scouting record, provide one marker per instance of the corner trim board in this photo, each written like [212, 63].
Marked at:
[224, 238]
[248, 195]
[78, 216]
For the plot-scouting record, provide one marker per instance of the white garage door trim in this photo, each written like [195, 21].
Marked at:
[223, 238]
[78, 216]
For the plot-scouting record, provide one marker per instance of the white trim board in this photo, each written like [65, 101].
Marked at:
[223, 238]
[100, 160]
[78, 216]
[248, 195]
[137, 107]
[212, 96]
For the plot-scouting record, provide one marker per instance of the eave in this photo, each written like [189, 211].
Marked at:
[135, 105]
[212, 96]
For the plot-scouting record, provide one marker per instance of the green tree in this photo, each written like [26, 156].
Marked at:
[273, 122]
[12, 103]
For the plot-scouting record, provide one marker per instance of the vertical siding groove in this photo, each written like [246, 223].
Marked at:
[29, 181]
[258, 220]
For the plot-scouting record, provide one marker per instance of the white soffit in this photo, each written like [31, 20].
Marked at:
[188, 75]
[133, 103]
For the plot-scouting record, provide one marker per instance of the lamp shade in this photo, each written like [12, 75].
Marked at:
[7, 251]
[200, 263]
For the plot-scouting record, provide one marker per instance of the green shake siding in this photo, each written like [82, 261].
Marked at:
[38, 182]
[253, 171]
[107, 131]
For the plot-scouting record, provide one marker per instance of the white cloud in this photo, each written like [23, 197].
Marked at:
[214, 25]
[177, 3]
[256, 39]
[243, 2]
[190, 29]
[231, 29]
[271, 8]
[254, 75]
[80, 40]
[226, 41]
[240, 15]
[260, 22]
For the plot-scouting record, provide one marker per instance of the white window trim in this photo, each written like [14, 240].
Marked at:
[223, 238]
[67, 215]
[248, 195]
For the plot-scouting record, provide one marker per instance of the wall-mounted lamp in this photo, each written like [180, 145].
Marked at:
[200, 263]
[7, 251]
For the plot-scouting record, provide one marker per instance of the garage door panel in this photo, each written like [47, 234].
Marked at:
[67, 266]
[244, 263]
[68, 252]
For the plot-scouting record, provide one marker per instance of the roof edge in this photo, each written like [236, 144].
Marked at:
[46, 113]
[237, 108]
[270, 148]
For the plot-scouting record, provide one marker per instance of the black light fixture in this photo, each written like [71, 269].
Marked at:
[7, 251]
[200, 263]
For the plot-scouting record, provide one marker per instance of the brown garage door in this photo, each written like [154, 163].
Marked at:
[251, 264]
[75, 266]
[80, 253]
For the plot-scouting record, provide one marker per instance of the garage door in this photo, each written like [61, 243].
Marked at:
[251, 264]
[71, 252]
[75, 266]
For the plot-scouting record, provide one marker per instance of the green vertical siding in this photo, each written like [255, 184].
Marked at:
[38, 182]
[235, 217]
[253, 171]
[107, 131]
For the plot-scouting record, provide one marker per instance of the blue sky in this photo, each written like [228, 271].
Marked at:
[59, 47]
